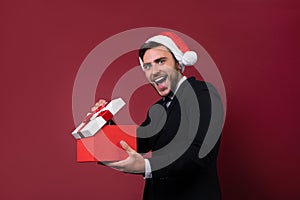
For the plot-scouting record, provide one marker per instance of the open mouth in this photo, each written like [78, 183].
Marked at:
[160, 80]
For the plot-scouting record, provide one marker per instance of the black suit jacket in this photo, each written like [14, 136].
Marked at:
[175, 136]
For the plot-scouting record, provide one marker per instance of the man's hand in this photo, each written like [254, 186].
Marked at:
[134, 163]
[98, 104]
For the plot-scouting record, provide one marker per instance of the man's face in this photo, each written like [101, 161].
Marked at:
[161, 70]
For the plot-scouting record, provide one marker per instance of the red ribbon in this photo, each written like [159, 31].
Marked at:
[88, 117]
[105, 114]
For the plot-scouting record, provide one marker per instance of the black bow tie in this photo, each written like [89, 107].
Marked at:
[166, 101]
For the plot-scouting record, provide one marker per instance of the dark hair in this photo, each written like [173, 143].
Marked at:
[150, 45]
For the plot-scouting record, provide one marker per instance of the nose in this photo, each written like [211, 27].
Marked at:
[155, 68]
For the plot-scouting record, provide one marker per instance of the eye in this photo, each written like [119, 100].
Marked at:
[161, 61]
[147, 66]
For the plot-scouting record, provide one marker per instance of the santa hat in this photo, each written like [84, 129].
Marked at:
[177, 46]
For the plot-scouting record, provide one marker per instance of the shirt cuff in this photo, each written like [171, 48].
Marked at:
[148, 173]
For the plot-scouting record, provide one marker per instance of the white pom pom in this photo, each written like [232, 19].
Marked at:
[189, 58]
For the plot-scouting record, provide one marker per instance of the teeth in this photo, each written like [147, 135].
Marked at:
[159, 79]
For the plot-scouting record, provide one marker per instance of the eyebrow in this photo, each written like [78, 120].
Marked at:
[157, 60]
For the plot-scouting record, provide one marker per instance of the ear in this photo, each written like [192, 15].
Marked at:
[178, 66]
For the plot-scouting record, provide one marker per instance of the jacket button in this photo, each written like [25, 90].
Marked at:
[163, 178]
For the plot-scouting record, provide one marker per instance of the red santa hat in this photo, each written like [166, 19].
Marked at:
[177, 46]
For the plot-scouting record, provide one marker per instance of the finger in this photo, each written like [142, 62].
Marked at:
[98, 104]
[101, 102]
[126, 147]
[113, 164]
[107, 162]
[101, 163]
[119, 165]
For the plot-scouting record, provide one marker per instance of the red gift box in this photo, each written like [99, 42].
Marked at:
[105, 145]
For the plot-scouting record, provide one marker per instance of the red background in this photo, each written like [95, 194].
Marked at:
[254, 43]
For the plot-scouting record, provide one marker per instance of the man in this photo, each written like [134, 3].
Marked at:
[176, 127]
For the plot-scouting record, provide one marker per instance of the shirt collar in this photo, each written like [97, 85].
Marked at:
[178, 85]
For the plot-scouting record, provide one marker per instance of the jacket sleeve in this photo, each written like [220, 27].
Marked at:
[147, 133]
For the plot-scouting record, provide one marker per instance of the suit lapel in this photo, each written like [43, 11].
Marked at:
[176, 98]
